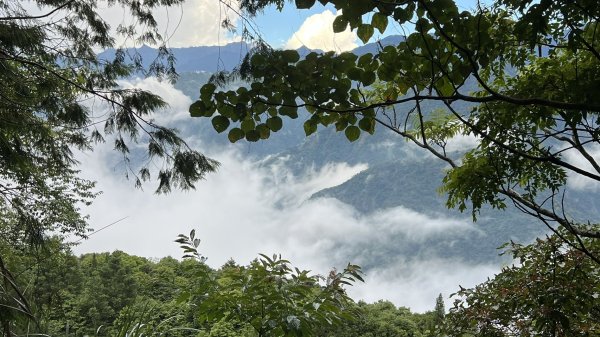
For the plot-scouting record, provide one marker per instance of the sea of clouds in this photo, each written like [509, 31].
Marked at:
[249, 207]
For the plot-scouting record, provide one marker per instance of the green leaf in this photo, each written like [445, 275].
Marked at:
[339, 24]
[289, 111]
[354, 74]
[207, 91]
[402, 87]
[364, 60]
[304, 4]
[247, 125]
[310, 127]
[402, 15]
[252, 136]
[352, 133]
[275, 123]
[365, 32]
[197, 109]
[290, 56]
[367, 78]
[264, 131]
[367, 124]
[235, 134]
[387, 72]
[220, 123]
[379, 21]
[341, 124]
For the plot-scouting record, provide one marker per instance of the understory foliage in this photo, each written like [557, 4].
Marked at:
[58, 97]
[116, 294]
[270, 297]
[554, 290]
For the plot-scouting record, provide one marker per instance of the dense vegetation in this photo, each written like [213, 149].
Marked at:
[552, 292]
[100, 294]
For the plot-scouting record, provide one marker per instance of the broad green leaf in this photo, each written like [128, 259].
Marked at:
[252, 136]
[341, 124]
[402, 87]
[259, 107]
[379, 21]
[220, 123]
[263, 130]
[364, 60]
[367, 124]
[247, 125]
[197, 109]
[207, 91]
[339, 24]
[290, 56]
[365, 32]
[235, 134]
[444, 87]
[354, 74]
[367, 78]
[310, 127]
[352, 133]
[289, 111]
[274, 123]
[387, 73]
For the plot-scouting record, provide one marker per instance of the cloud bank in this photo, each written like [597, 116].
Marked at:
[574, 157]
[192, 23]
[249, 207]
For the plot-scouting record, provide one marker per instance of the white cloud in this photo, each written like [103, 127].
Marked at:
[192, 23]
[317, 33]
[574, 157]
[416, 284]
[246, 209]
[462, 143]
[178, 103]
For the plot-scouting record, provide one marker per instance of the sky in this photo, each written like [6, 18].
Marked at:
[198, 23]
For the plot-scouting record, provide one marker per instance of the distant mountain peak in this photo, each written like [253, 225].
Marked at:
[229, 56]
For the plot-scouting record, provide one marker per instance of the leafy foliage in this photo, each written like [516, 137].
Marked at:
[270, 297]
[552, 292]
[534, 108]
[118, 294]
[383, 318]
[58, 97]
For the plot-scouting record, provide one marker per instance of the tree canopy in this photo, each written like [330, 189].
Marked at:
[519, 76]
[552, 292]
[58, 97]
[116, 294]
